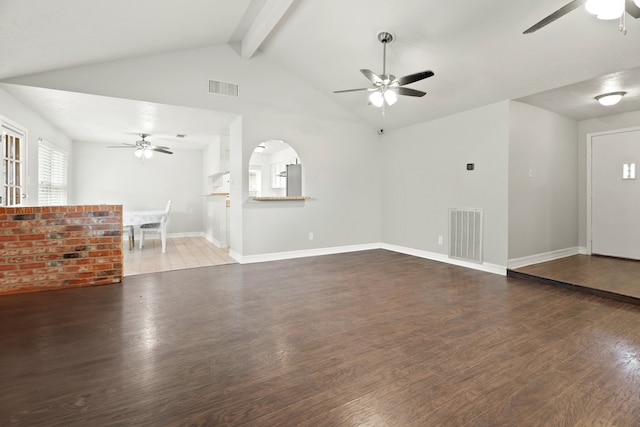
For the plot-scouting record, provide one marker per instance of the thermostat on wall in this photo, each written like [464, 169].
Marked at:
[470, 166]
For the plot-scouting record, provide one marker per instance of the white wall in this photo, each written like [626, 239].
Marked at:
[585, 127]
[543, 181]
[424, 174]
[342, 173]
[116, 176]
[37, 127]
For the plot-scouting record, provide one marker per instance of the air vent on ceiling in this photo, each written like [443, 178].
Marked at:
[222, 88]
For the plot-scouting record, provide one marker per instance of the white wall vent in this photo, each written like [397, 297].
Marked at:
[465, 234]
[222, 88]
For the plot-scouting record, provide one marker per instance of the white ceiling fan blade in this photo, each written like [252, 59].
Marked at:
[353, 90]
[124, 145]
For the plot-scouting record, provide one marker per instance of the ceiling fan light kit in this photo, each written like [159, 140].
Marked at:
[143, 148]
[386, 87]
[605, 9]
[611, 98]
[143, 152]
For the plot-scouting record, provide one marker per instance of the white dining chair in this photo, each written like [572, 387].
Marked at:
[157, 227]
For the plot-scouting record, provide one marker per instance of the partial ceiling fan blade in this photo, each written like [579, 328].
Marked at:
[162, 147]
[375, 79]
[555, 15]
[409, 92]
[352, 90]
[124, 145]
[632, 9]
[411, 78]
[160, 150]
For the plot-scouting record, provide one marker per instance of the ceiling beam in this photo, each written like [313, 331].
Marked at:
[265, 22]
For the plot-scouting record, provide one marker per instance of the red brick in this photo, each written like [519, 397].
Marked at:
[99, 267]
[36, 245]
[20, 259]
[27, 244]
[32, 265]
[32, 237]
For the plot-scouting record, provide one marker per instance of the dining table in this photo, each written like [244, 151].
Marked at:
[133, 218]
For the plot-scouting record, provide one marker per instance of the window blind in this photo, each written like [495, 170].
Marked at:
[52, 175]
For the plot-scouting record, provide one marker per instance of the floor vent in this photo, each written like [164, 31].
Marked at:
[465, 234]
[222, 88]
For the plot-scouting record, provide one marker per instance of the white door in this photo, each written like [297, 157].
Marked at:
[615, 194]
[13, 157]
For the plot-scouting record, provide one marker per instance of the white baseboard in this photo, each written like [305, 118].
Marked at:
[235, 255]
[278, 256]
[434, 256]
[213, 240]
[151, 236]
[543, 257]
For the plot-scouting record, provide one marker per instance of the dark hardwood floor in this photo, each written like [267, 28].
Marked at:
[371, 338]
[607, 276]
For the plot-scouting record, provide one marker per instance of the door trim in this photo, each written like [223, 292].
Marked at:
[589, 141]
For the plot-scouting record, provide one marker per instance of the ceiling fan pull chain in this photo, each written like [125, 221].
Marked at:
[623, 24]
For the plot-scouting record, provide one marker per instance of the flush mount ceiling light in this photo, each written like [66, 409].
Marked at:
[608, 99]
[260, 148]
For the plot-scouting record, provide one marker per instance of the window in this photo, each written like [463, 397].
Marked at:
[255, 181]
[52, 175]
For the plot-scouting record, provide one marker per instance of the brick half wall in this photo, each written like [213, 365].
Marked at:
[56, 247]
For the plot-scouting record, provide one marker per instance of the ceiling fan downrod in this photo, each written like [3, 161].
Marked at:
[384, 37]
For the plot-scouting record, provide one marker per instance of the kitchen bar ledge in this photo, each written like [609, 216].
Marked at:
[279, 198]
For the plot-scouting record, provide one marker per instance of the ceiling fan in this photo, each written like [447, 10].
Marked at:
[144, 147]
[386, 87]
[603, 9]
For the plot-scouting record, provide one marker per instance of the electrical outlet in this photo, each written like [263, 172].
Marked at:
[440, 240]
[310, 236]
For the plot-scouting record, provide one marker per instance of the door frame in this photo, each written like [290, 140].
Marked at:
[12, 126]
[590, 137]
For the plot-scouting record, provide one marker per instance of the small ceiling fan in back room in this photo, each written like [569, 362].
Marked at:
[143, 148]
[387, 87]
[603, 9]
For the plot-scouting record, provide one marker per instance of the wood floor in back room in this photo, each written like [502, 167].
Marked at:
[182, 252]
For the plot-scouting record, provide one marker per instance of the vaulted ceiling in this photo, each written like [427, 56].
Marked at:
[476, 48]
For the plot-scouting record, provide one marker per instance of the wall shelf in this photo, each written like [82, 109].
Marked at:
[280, 199]
[216, 194]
